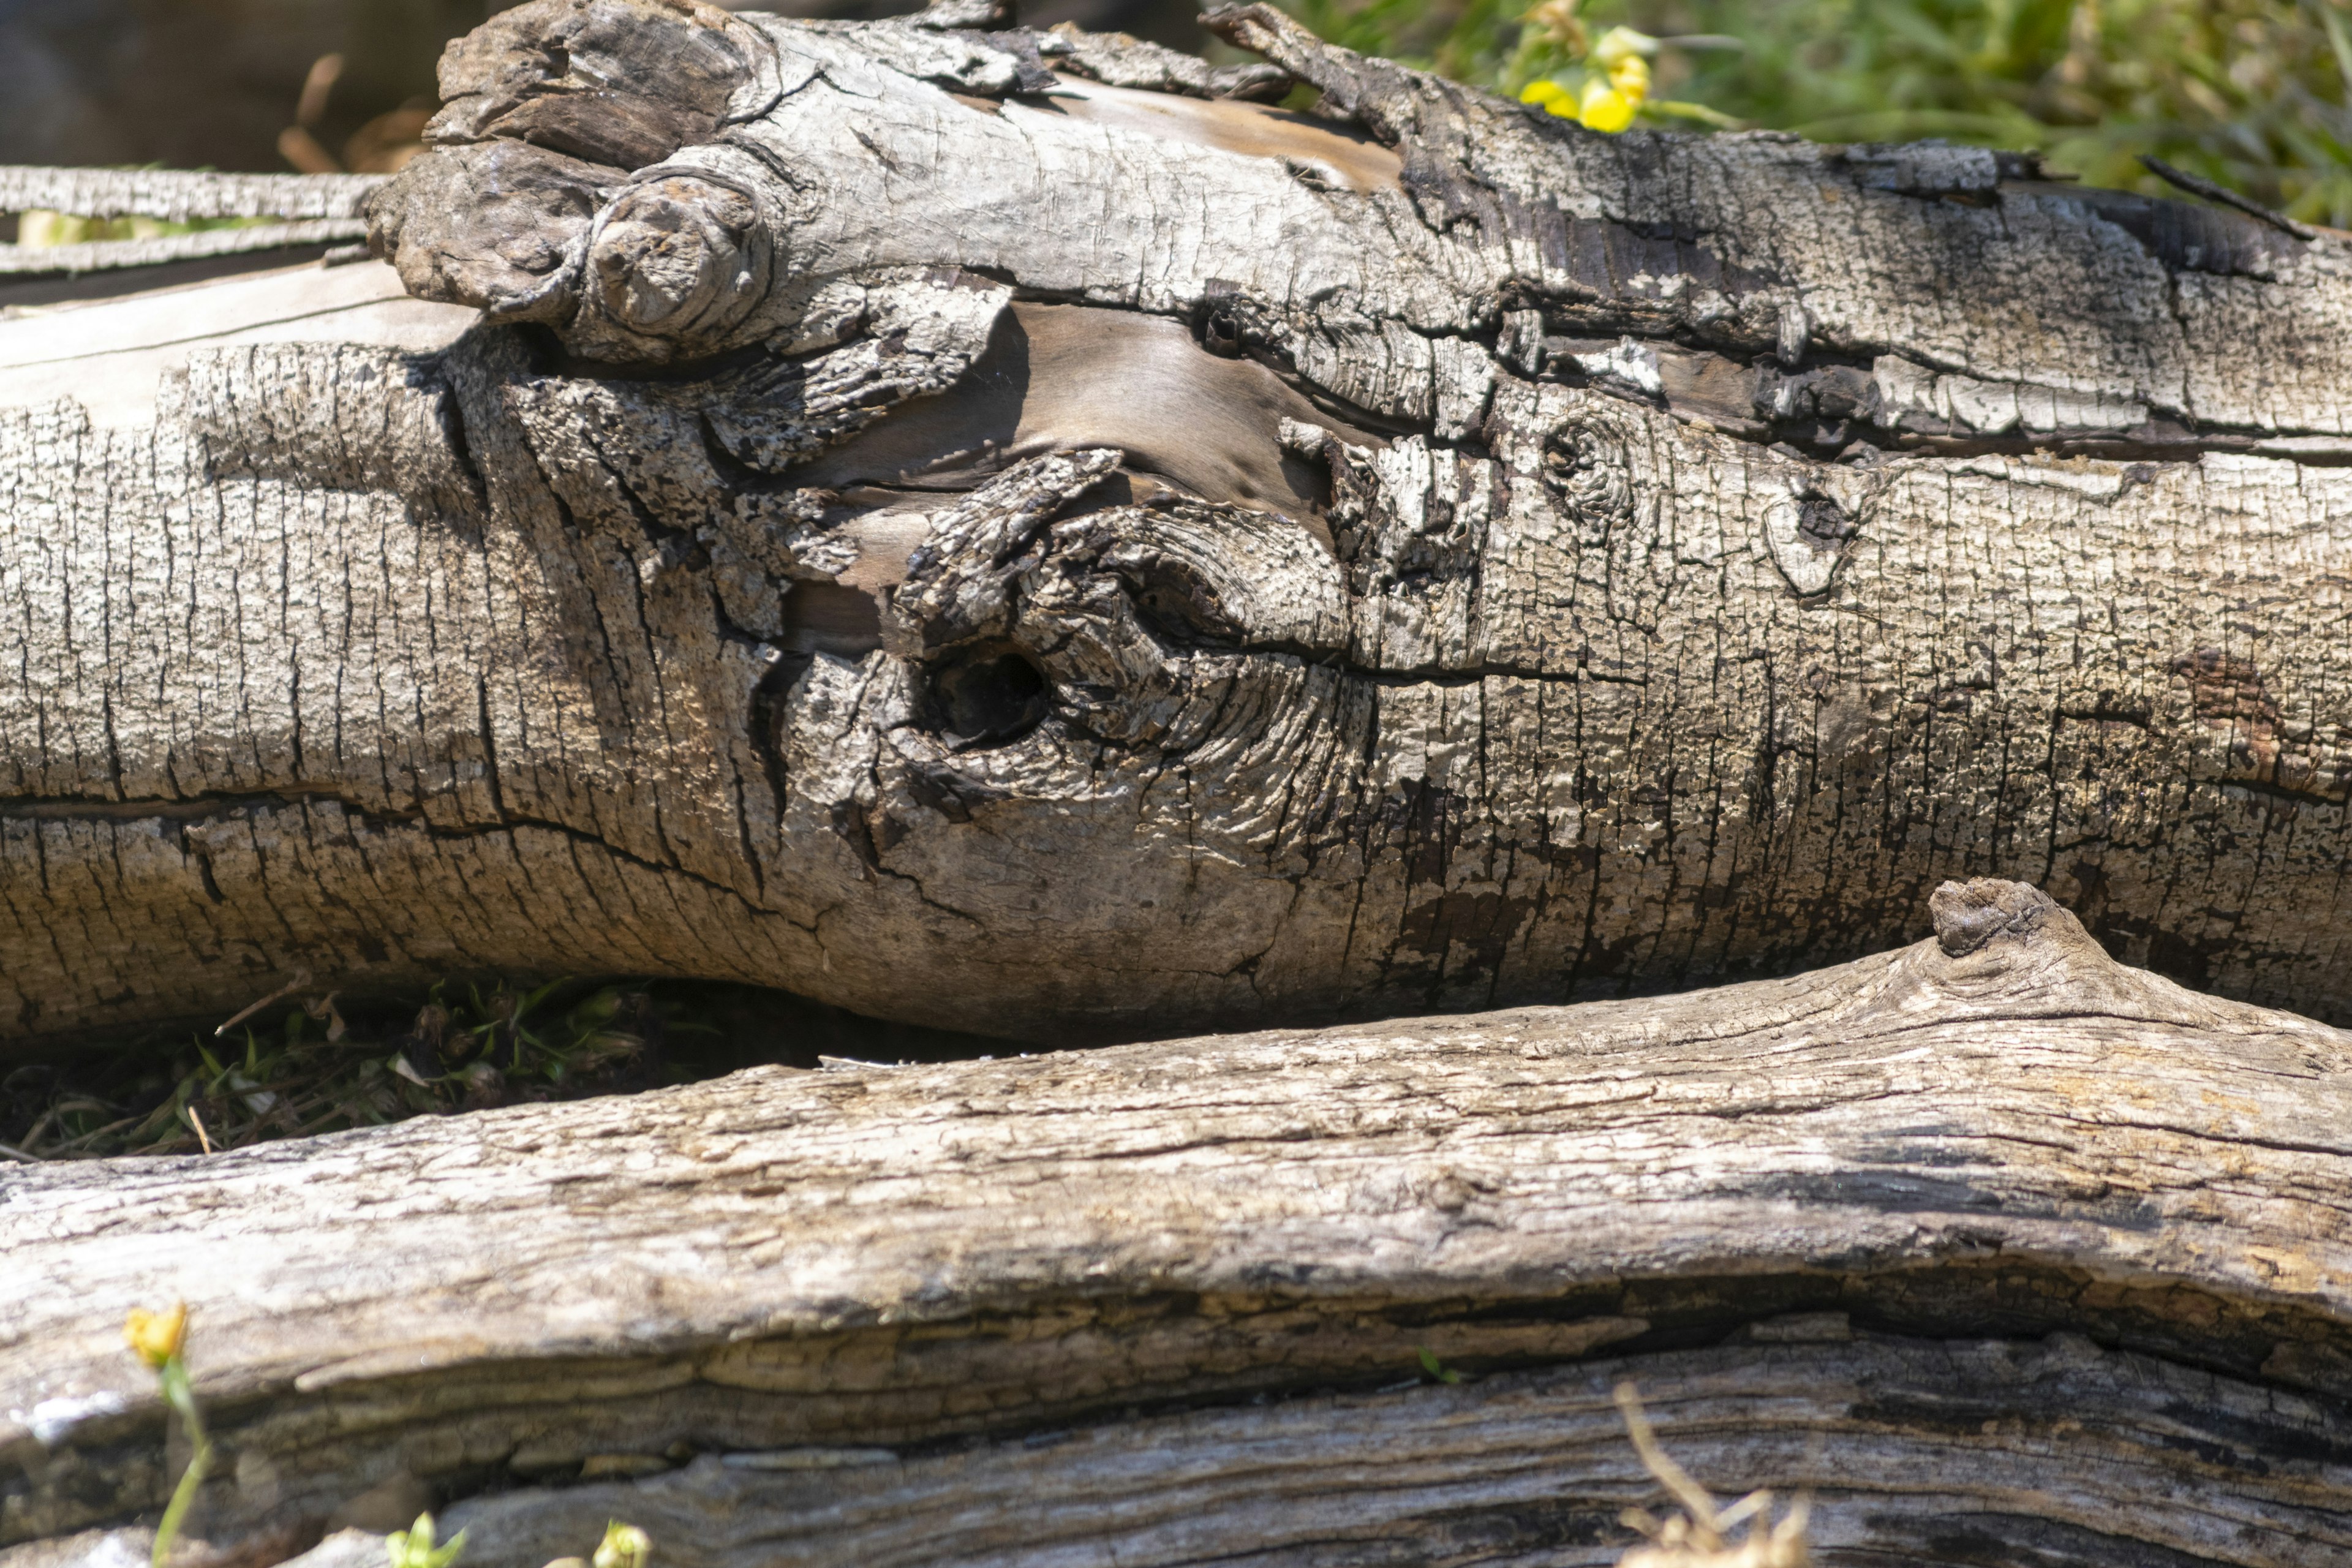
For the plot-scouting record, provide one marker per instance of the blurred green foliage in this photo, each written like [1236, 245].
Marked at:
[37, 228]
[2249, 93]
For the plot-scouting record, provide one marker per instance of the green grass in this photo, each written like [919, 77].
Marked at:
[301, 1068]
[2249, 93]
[306, 1063]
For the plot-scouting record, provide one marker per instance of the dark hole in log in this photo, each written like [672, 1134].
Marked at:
[987, 699]
[1220, 335]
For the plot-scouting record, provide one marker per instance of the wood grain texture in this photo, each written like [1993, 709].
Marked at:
[179, 195]
[204, 244]
[1623, 563]
[2090, 1230]
[2050, 1452]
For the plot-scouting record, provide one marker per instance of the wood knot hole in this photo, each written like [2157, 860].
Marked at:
[1968, 915]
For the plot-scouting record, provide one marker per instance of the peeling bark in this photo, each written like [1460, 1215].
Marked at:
[2008, 1253]
[933, 499]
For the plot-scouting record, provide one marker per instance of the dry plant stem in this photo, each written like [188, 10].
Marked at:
[2025, 1240]
[1142, 561]
[1694, 1497]
[1697, 1538]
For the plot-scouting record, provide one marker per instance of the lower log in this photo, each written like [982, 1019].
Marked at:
[2006, 1252]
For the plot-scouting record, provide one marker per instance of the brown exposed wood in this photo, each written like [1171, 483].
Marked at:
[1994, 1245]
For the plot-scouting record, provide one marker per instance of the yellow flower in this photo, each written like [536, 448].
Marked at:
[1550, 95]
[1630, 77]
[156, 1337]
[1605, 108]
[624, 1546]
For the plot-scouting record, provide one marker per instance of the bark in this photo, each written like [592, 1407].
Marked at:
[2008, 1253]
[976, 527]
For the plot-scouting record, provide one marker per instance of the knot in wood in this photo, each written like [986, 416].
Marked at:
[1968, 915]
[680, 258]
[1587, 469]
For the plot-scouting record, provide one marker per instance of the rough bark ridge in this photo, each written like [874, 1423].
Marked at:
[936, 498]
[2012, 1254]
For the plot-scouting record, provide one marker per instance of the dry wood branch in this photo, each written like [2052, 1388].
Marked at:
[179, 195]
[2049, 1252]
[97, 254]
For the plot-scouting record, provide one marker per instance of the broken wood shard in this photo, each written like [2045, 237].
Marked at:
[1995, 1247]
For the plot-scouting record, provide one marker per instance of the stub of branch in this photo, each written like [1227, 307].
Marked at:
[1989, 1235]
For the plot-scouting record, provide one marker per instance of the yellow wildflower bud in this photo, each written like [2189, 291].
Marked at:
[156, 1337]
[1605, 108]
[414, 1547]
[1630, 77]
[624, 1546]
[1618, 43]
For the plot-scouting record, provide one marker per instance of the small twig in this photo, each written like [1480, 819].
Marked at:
[179, 195]
[302, 978]
[33, 1138]
[317, 87]
[86, 1139]
[2197, 185]
[1697, 1501]
[203, 1138]
[105, 255]
[13, 1153]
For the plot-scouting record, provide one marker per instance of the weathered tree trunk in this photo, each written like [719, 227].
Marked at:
[974, 526]
[990, 528]
[2009, 1254]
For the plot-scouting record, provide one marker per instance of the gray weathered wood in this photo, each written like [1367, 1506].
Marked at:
[2049, 1253]
[179, 195]
[1525, 563]
[99, 255]
[314, 209]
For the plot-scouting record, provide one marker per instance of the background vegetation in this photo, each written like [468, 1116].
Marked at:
[2249, 93]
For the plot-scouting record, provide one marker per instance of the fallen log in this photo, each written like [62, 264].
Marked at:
[999, 529]
[2001, 1250]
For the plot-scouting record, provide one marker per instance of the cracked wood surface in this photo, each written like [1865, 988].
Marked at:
[2010, 1253]
[1002, 508]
